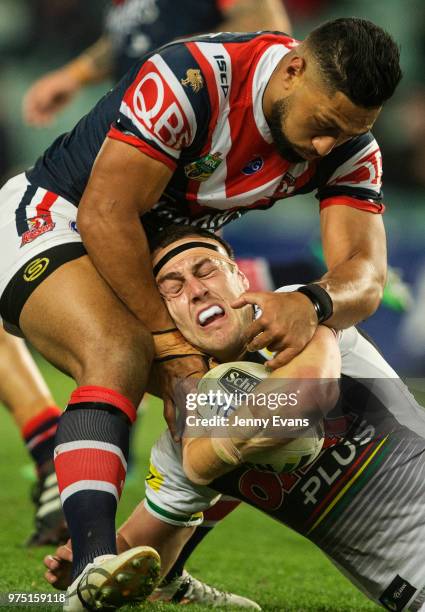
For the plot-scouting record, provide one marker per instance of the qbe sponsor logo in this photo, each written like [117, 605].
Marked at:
[155, 107]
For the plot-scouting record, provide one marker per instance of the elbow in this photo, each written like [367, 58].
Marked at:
[98, 208]
[374, 279]
[96, 216]
[380, 286]
[86, 221]
[381, 271]
[375, 294]
[317, 398]
[328, 392]
[380, 282]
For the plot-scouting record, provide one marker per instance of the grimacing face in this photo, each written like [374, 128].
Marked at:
[198, 290]
[309, 121]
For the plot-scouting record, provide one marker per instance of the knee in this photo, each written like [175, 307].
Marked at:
[9, 344]
[12, 351]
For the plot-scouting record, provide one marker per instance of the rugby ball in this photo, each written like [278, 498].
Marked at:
[229, 381]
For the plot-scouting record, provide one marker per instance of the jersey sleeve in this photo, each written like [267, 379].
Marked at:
[225, 5]
[352, 176]
[165, 107]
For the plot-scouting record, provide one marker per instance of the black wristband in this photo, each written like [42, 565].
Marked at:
[320, 299]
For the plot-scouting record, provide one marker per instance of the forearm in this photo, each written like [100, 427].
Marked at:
[94, 64]
[109, 213]
[125, 264]
[354, 246]
[356, 287]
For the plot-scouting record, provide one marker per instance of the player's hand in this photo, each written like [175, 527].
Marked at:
[59, 567]
[47, 96]
[178, 378]
[286, 325]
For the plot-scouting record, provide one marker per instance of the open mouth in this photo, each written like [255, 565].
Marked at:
[210, 314]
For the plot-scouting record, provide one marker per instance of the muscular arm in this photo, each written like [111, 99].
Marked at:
[123, 185]
[354, 246]
[252, 15]
[320, 359]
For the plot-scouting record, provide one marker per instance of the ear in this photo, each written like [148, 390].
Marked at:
[244, 280]
[295, 68]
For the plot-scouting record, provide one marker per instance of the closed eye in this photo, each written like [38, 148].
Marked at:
[206, 270]
[170, 288]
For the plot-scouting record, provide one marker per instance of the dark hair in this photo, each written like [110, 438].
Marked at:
[357, 58]
[176, 232]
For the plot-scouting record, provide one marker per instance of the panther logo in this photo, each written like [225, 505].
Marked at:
[193, 79]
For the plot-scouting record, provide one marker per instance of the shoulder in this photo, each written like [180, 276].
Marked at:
[352, 170]
[354, 156]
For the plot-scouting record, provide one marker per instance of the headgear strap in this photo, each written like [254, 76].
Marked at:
[179, 249]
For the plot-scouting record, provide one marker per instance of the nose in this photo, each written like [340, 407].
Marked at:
[196, 288]
[323, 144]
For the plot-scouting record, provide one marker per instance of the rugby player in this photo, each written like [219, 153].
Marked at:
[198, 133]
[131, 29]
[25, 394]
[361, 501]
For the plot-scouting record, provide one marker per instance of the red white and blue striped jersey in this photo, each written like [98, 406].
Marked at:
[196, 106]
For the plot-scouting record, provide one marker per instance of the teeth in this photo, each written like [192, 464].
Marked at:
[210, 312]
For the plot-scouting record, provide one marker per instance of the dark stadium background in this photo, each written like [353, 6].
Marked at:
[272, 565]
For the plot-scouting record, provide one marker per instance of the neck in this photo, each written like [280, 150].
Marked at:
[273, 90]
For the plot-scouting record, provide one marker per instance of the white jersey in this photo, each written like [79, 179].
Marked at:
[362, 501]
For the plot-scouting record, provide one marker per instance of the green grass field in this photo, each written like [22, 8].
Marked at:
[248, 553]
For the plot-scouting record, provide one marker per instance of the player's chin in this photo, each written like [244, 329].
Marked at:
[225, 345]
[217, 337]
